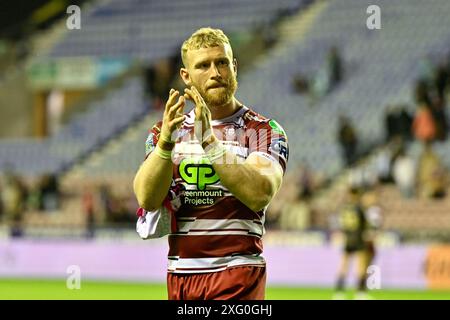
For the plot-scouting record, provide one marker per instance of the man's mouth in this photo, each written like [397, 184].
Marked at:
[215, 86]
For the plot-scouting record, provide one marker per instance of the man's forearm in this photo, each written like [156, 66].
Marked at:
[152, 181]
[245, 182]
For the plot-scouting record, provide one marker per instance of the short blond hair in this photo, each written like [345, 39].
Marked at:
[204, 38]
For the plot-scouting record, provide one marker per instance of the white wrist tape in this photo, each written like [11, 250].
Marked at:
[215, 151]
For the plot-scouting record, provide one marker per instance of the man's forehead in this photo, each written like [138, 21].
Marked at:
[210, 53]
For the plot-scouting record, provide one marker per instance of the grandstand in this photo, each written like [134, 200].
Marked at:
[100, 143]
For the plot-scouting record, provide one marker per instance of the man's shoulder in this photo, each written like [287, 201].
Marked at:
[253, 119]
[251, 116]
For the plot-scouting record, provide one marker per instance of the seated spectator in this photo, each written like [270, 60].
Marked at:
[432, 176]
[383, 165]
[328, 76]
[440, 118]
[441, 79]
[404, 172]
[424, 126]
[50, 192]
[398, 122]
[13, 201]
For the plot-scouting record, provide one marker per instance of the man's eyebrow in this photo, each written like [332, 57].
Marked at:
[222, 59]
[215, 59]
[198, 63]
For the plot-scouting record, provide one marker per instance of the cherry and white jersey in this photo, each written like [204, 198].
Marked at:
[211, 229]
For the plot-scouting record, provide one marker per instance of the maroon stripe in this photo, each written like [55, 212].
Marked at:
[211, 246]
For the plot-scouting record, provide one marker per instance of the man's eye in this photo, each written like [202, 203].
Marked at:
[223, 63]
[204, 65]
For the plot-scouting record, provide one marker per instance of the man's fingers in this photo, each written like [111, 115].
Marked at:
[189, 95]
[197, 96]
[176, 121]
[173, 94]
[195, 91]
[176, 107]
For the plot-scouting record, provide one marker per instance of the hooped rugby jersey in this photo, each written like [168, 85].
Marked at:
[212, 230]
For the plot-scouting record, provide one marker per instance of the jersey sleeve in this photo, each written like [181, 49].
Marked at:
[152, 139]
[269, 140]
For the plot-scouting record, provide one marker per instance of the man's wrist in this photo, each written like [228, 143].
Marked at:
[163, 154]
[165, 143]
[215, 151]
[208, 141]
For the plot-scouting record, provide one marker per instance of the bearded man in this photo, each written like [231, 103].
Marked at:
[210, 174]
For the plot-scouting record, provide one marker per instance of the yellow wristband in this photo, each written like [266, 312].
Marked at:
[163, 154]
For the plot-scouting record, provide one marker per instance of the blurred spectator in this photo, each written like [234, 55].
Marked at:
[13, 199]
[421, 93]
[106, 201]
[424, 126]
[390, 122]
[348, 141]
[334, 62]
[89, 211]
[327, 77]
[440, 118]
[321, 83]
[383, 165]
[373, 210]
[426, 70]
[305, 181]
[386, 158]
[398, 122]
[300, 84]
[432, 176]
[268, 33]
[353, 225]
[441, 81]
[50, 192]
[55, 111]
[117, 208]
[404, 172]
[34, 200]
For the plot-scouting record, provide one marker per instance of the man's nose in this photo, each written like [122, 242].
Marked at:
[214, 71]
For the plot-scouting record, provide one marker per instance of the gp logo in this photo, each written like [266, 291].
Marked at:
[198, 171]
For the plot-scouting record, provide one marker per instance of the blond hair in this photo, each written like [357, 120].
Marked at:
[204, 38]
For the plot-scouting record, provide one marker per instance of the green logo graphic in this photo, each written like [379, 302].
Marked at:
[276, 127]
[198, 171]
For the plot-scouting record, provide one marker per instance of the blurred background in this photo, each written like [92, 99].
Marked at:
[365, 108]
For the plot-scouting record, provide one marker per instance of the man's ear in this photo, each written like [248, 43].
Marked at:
[235, 65]
[186, 77]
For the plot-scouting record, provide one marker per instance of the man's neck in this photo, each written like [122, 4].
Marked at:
[226, 110]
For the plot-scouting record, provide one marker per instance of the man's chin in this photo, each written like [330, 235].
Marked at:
[216, 102]
[217, 99]
[214, 92]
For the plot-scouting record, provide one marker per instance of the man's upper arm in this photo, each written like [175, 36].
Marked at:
[266, 167]
[269, 151]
